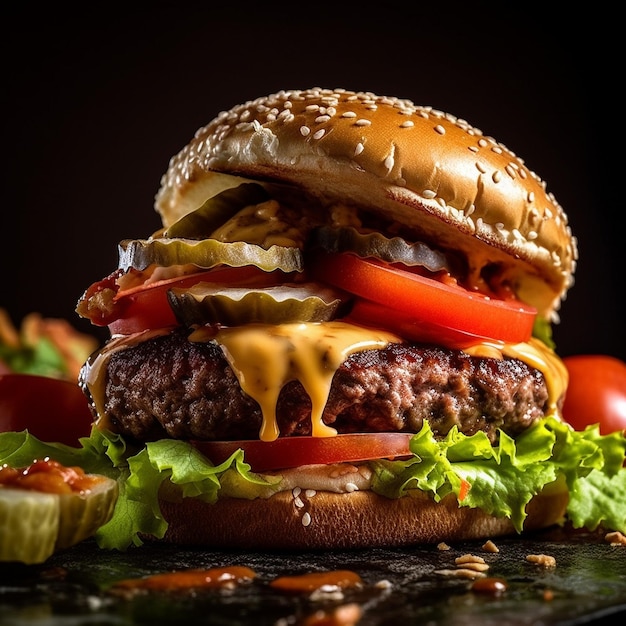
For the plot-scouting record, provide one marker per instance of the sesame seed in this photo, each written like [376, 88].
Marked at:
[358, 149]
[322, 118]
[496, 176]
[350, 487]
[532, 235]
[481, 168]
[429, 194]
[389, 163]
[309, 493]
[363, 122]
[440, 129]
[306, 519]
[348, 114]
[407, 124]
[304, 131]
[319, 133]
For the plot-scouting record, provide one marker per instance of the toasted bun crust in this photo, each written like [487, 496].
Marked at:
[419, 166]
[361, 519]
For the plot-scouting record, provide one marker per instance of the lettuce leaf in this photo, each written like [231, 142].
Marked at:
[499, 479]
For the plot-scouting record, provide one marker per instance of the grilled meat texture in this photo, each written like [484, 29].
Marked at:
[171, 387]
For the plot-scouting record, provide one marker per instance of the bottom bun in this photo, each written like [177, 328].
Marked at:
[361, 519]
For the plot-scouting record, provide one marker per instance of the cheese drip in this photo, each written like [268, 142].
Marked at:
[266, 357]
[536, 354]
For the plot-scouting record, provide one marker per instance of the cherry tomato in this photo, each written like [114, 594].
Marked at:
[404, 295]
[596, 393]
[146, 306]
[286, 452]
[51, 409]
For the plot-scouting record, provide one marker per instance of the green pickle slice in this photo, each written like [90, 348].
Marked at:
[29, 525]
[82, 514]
[200, 223]
[212, 303]
[374, 244]
[34, 525]
[206, 253]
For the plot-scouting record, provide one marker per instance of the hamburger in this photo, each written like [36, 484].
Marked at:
[340, 338]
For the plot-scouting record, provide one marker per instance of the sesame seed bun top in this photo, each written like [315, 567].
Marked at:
[424, 168]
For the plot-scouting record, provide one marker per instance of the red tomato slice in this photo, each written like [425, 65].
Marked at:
[49, 408]
[596, 393]
[406, 296]
[146, 306]
[367, 313]
[286, 452]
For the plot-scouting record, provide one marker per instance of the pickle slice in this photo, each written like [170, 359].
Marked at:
[392, 250]
[34, 524]
[217, 210]
[81, 514]
[206, 253]
[233, 306]
[29, 525]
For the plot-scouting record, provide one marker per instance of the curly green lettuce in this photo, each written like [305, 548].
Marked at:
[499, 479]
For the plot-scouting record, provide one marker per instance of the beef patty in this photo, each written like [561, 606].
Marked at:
[171, 387]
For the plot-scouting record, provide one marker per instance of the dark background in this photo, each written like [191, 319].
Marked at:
[96, 101]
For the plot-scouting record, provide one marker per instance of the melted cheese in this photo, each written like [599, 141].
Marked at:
[536, 354]
[265, 358]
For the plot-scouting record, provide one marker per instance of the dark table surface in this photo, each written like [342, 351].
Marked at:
[400, 585]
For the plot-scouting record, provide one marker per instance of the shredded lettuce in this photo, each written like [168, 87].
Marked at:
[499, 479]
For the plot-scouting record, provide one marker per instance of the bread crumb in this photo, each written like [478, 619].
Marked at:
[469, 558]
[490, 546]
[443, 546]
[477, 567]
[460, 572]
[616, 538]
[383, 584]
[543, 560]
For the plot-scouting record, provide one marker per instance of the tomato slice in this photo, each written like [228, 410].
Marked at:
[286, 452]
[406, 297]
[146, 306]
[49, 408]
[368, 313]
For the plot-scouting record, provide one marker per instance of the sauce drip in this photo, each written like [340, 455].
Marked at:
[492, 586]
[307, 583]
[189, 579]
[47, 476]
